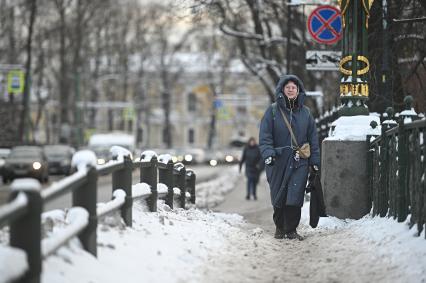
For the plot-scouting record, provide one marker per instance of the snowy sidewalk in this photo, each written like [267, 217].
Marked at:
[367, 250]
[197, 245]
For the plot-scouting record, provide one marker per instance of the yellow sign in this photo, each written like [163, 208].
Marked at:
[129, 113]
[15, 82]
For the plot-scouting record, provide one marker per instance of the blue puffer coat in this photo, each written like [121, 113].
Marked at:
[287, 176]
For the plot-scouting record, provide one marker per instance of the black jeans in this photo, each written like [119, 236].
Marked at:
[287, 217]
[251, 186]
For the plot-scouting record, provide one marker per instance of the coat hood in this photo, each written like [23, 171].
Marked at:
[283, 81]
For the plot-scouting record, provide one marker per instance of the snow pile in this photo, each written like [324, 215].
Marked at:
[166, 246]
[147, 155]
[141, 189]
[83, 158]
[354, 128]
[25, 184]
[13, 263]
[164, 158]
[388, 238]
[211, 193]
[176, 191]
[162, 188]
[119, 152]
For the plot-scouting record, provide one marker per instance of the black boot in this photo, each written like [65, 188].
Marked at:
[293, 236]
[279, 233]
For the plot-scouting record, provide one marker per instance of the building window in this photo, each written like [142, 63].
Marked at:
[192, 102]
[191, 138]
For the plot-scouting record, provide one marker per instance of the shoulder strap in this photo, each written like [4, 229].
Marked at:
[289, 127]
[274, 110]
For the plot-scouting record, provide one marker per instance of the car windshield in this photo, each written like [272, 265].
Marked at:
[101, 152]
[56, 151]
[24, 154]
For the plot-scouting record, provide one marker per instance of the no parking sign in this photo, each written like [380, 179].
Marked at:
[325, 24]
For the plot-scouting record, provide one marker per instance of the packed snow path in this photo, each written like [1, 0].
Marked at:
[367, 250]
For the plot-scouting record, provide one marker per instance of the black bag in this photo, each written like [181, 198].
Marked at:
[317, 205]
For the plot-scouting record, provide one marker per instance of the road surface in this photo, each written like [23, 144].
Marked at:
[203, 173]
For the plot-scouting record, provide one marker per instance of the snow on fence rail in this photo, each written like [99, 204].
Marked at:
[396, 169]
[23, 212]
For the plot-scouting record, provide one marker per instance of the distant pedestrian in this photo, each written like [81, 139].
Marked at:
[254, 165]
[290, 152]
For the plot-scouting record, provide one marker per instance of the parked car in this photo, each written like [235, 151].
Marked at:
[59, 158]
[26, 161]
[4, 153]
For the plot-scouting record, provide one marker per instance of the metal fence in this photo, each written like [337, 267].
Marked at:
[23, 212]
[396, 170]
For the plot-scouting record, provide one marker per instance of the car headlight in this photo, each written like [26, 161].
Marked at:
[180, 158]
[188, 158]
[2, 162]
[101, 161]
[229, 158]
[213, 162]
[174, 159]
[36, 165]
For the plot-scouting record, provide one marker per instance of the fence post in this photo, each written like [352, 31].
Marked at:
[86, 197]
[165, 176]
[402, 171]
[179, 181]
[122, 179]
[384, 159]
[25, 233]
[149, 176]
[190, 184]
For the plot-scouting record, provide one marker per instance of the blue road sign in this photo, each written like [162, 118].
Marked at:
[325, 24]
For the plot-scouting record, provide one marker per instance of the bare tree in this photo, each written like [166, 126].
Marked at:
[24, 122]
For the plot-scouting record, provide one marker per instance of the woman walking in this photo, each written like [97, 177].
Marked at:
[253, 160]
[288, 143]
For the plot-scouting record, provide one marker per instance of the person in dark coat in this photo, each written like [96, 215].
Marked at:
[286, 172]
[253, 161]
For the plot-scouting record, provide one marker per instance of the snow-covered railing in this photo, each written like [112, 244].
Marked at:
[396, 170]
[77, 219]
[324, 122]
[23, 212]
[113, 205]
[13, 210]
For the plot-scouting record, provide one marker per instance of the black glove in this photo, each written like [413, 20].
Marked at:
[313, 169]
[270, 160]
[313, 173]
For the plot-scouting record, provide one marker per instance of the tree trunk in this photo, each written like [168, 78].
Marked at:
[25, 114]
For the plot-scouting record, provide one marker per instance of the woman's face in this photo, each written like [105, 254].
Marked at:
[290, 90]
[252, 142]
